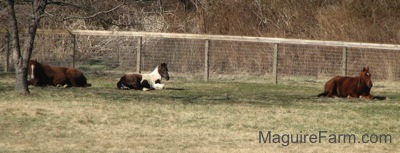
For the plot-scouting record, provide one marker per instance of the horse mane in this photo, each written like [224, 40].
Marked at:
[40, 67]
[362, 83]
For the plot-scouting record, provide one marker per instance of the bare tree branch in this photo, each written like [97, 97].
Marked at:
[64, 4]
[120, 25]
[46, 14]
[94, 15]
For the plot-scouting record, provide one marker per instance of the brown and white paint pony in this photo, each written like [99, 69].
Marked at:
[145, 82]
[43, 75]
[350, 87]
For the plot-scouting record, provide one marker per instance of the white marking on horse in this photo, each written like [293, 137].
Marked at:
[152, 78]
[33, 70]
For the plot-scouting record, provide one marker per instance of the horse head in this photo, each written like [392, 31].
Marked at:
[32, 62]
[163, 71]
[365, 77]
[31, 68]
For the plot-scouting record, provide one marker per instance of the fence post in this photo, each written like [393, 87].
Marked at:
[75, 50]
[6, 68]
[206, 60]
[344, 62]
[138, 56]
[275, 64]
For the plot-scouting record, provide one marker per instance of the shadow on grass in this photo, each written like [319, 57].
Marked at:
[175, 89]
[374, 98]
[380, 97]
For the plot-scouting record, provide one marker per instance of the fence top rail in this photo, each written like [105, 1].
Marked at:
[226, 38]
[240, 38]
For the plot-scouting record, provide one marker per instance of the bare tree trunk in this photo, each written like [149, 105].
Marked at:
[21, 60]
[21, 83]
[21, 75]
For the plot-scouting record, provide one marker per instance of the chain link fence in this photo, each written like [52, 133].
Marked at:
[205, 56]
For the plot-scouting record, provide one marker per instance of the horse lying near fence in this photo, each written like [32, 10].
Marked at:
[350, 87]
[145, 82]
[43, 75]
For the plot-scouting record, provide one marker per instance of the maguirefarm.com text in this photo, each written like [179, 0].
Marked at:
[321, 137]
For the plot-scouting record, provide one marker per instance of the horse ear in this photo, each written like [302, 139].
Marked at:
[366, 68]
[363, 69]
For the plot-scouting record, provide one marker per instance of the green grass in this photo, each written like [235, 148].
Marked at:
[191, 116]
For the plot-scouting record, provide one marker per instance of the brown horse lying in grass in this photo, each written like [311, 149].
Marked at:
[43, 75]
[350, 87]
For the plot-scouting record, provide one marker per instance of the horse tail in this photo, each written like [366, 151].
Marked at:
[79, 81]
[82, 80]
[85, 83]
[121, 86]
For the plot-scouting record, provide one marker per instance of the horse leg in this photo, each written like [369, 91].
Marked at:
[158, 86]
[354, 95]
[67, 86]
[33, 82]
[121, 86]
[369, 96]
[146, 85]
[351, 97]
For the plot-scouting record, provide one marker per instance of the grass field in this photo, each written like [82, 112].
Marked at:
[192, 116]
